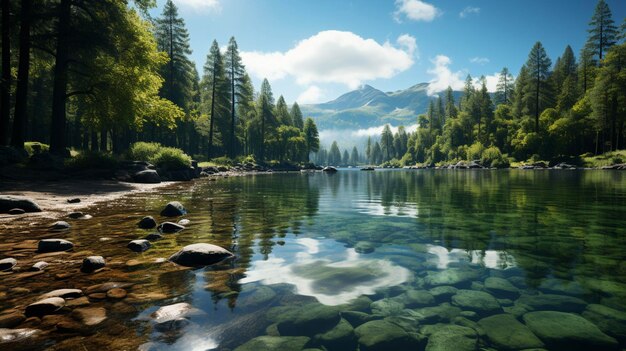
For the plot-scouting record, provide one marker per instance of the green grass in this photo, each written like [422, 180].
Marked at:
[35, 147]
[606, 159]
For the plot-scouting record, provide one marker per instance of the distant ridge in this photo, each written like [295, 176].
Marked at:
[368, 107]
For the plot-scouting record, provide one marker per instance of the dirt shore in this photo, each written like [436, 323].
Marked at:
[52, 196]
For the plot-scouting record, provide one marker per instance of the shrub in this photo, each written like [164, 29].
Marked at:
[35, 147]
[142, 151]
[475, 151]
[170, 158]
[222, 161]
[92, 160]
[492, 157]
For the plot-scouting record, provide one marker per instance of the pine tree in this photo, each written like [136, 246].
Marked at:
[345, 160]
[311, 137]
[520, 104]
[451, 111]
[504, 89]
[296, 115]
[265, 113]
[377, 155]
[486, 110]
[564, 67]
[539, 91]
[216, 94]
[354, 157]
[334, 156]
[236, 72]
[282, 112]
[368, 149]
[603, 32]
[386, 143]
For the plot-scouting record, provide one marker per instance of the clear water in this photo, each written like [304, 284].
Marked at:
[544, 233]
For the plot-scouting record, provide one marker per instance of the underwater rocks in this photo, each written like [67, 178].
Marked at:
[147, 222]
[452, 276]
[501, 287]
[9, 202]
[453, 337]
[54, 245]
[568, 331]
[339, 338]
[44, 307]
[92, 263]
[478, 301]
[199, 255]
[89, 316]
[309, 320]
[275, 343]
[169, 227]
[507, 333]
[609, 320]
[381, 335]
[7, 264]
[60, 225]
[551, 302]
[63, 293]
[173, 317]
[364, 247]
[173, 209]
[153, 237]
[148, 176]
[140, 245]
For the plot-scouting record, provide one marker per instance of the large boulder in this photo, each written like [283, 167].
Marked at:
[339, 338]
[92, 263]
[173, 209]
[140, 245]
[275, 343]
[609, 320]
[44, 307]
[501, 287]
[452, 276]
[416, 298]
[148, 176]
[169, 227]
[199, 255]
[507, 333]
[309, 320]
[54, 245]
[9, 202]
[63, 293]
[147, 222]
[478, 301]
[381, 335]
[568, 331]
[7, 264]
[453, 337]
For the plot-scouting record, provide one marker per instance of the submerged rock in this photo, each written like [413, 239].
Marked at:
[173, 209]
[452, 276]
[568, 331]
[10, 336]
[551, 302]
[364, 247]
[9, 202]
[54, 245]
[174, 316]
[436, 314]
[416, 298]
[16, 211]
[609, 320]
[60, 225]
[153, 237]
[90, 316]
[148, 176]
[501, 287]
[44, 307]
[92, 263]
[356, 318]
[507, 333]
[381, 335]
[140, 245]
[477, 301]
[7, 264]
[169, 227]
[147, 222]
[11, 320]
[339, 338]
[387, 307]
[199, 255]
[184, 222]
[309, 320]
[275, 343]
[443, 292]
[453, 337]
[63, 293]
[78, 215]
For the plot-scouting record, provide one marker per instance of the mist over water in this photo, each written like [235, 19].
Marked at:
[347, 138]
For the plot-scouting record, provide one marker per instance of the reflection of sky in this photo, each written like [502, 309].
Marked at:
[493, 259]
[326, 275]
[376, 208]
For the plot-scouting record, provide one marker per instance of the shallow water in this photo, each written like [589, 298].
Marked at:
[310, 247]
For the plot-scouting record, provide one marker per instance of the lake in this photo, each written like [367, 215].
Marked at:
[388, 260]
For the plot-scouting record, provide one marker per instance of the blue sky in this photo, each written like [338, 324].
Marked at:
[313, 51]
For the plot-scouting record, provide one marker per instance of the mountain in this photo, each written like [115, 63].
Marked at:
[369, 107]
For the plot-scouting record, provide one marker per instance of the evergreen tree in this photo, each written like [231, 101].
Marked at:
[282, 112]
[236, 72]
[334, 155]
[586, 69]
[539, 91]
[368, 149]
[5, 83]
[354, 156]
[296, 116]
[265, 113]
[311, 137]
[520, 105]
[451, 111]
[504, 89]
[346, 158]
[386, 143]
[377, 154]
[216, 94]
[603, 32]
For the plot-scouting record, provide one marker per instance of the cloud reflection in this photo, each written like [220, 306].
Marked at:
[493, 259]
[332, 281]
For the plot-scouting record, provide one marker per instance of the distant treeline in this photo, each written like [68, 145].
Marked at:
[101, 74]
[576, 106]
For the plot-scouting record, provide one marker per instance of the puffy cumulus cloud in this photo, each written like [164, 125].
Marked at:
[334, 57]
[479, 60]
[443, 76]
[492, 82]
[415, 10]
[470, 10]
[311, 95]
[206, 5]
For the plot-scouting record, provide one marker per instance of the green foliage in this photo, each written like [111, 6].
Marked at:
[92, 160]
[475, 151]
[35, 147]
[168, 158]
[143, 151]
[492, 157]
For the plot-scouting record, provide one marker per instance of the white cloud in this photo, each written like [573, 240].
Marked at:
[312, 95]
[479, 60]
[492, 82]
[377, 131]
[415, 10]
[470, 10]
[334, 57]
[208, 5]
[443, 76]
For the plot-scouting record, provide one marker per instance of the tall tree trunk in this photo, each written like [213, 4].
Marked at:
[21, 94]
[5, 99]
[232, 105]
[94, 140]
[104, 140]
[210, 147]
[59, 90]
